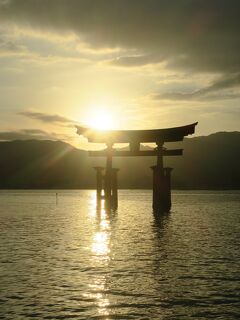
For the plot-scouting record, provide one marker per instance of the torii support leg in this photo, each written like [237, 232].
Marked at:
[114, 199]
[110, 182]
[99, 182]
[108, 177]
[167, 173]
[161, 189]
[161, 183]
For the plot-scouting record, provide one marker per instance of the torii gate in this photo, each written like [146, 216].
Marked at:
[107, 177]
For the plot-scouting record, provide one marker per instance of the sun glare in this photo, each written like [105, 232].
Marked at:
[101, 120]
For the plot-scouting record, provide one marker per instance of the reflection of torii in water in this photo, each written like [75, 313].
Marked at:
[107, 179]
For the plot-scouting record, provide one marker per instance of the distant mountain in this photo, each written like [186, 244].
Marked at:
[43, 164]
[209, 162]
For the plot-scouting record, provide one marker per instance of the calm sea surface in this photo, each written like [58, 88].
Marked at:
[66, 260]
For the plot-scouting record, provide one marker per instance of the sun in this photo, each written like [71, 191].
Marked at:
[101, 120]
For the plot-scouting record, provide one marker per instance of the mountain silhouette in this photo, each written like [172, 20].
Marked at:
[208, 162]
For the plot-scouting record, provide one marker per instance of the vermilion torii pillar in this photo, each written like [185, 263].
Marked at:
[107, 179]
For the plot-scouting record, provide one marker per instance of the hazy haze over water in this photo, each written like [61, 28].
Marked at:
[67, 260]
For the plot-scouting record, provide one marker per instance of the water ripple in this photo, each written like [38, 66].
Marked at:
[72, 261]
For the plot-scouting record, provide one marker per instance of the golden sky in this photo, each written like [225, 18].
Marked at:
[116, 63]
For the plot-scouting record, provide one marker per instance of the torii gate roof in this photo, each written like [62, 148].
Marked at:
[136, 136]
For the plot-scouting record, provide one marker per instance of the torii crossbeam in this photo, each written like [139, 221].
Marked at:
[107, 179]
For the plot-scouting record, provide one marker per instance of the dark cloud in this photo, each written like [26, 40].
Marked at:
[47, 118]
[200, 35]
[26, 134]
[208, 93]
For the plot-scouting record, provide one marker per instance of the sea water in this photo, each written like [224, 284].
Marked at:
[63, 258]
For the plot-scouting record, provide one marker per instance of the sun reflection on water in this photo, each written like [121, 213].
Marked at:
[100, 257]
[100, 244]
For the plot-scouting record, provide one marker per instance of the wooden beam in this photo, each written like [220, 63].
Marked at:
[129, 153]
[136, 136]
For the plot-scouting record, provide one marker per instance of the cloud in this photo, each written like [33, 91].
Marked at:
[136, 60]
[8, 47]
[4, 2]
[217, 90]
[199, 35]
[47, 118]
[26, 134]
